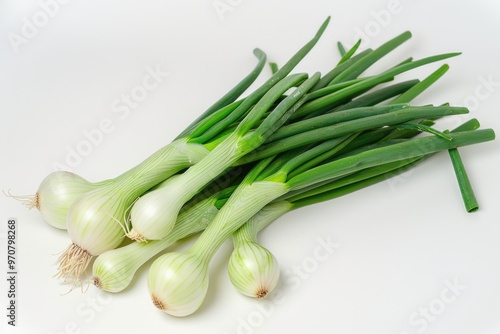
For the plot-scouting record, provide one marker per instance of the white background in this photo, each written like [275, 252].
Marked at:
[399, 242]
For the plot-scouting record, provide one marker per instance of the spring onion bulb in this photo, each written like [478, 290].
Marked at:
[182, 285]
[56, 193]
[253, 270]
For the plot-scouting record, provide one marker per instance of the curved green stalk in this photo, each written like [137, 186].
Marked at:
[341, 48]
[365, 62]
[416, 90]
[401, 151]
[328, 77]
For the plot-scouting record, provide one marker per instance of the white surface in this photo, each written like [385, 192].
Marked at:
[398, 242]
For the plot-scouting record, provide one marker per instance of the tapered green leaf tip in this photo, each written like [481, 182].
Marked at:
[259, 53]
[407, 34]
[323, 27]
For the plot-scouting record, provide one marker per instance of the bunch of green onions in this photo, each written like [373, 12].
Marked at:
[296, 140]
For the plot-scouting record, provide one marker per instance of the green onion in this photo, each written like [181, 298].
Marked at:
[178, 281]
